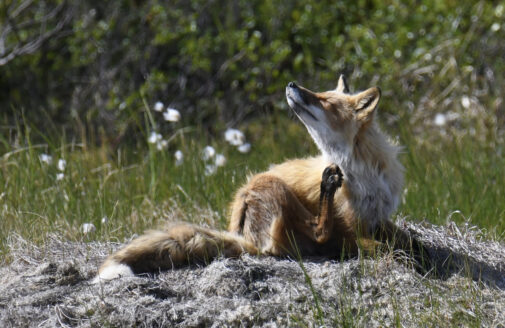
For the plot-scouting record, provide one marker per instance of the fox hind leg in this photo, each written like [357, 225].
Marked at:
[268, 214]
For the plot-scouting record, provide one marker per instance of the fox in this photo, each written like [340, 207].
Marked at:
[329, 205]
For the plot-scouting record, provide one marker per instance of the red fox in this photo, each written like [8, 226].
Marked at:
[321, 206]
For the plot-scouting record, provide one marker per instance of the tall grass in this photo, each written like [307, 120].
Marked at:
[128, 190]
[120, 192]
[456, 178]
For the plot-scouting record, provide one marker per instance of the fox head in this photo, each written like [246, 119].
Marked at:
[334, 118]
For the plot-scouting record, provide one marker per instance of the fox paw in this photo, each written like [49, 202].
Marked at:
[332, 179]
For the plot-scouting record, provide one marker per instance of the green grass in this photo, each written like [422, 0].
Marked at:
[133, 187]
[130, 186]
[455, 178]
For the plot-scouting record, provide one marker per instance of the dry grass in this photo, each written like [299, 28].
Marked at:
[50, 286]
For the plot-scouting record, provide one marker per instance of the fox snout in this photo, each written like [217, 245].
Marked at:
[292, 85]
[294, 95]
[298, 101]
[292, 92]
[301, 95]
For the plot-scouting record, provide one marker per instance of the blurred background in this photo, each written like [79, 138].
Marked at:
[86, 65]
[82, 80]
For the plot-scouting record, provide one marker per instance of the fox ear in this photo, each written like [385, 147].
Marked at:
[342, 85]
[365, 103]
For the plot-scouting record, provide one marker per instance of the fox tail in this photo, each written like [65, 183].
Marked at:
[179, 245]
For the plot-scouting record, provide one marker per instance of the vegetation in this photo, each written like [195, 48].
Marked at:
[83, 67]
[54, 289]
[134, 188]
[85, 153]
[79, 82]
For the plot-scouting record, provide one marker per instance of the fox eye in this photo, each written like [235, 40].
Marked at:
[329, 105]
[325, 104]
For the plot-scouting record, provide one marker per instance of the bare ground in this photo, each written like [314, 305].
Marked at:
[50, 286]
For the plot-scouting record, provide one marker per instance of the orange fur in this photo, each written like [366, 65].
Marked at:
[289, 209]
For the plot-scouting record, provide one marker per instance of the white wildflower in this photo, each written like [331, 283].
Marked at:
[172, 115]
[62, 164]
[59, 176]
[453, 116]
[468, 68]
[45, 158]
[398, 53]
[158, 106]
[208, 153]
[440, 119]
[495, 27]
[465, 101]
[234, 137]
[179, 158]
[499, 10]
[88, 228]
[220, 160]
[105, 220]
[245, 148]
[154, 137]
[161, 144]
[210, 169]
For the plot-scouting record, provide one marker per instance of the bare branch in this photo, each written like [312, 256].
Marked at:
[15, 22]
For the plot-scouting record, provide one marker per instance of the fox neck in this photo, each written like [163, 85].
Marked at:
[372, 174]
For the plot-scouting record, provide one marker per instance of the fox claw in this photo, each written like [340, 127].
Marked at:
[329, 170]
[332, 178]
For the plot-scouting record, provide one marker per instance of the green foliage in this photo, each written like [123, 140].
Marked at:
[221, 60]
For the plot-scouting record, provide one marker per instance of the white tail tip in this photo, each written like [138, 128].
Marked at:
[112, 271]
